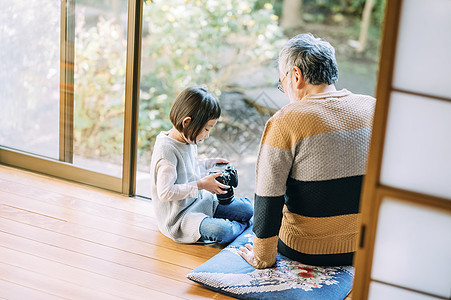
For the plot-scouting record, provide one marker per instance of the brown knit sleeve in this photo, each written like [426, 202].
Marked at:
[265, 251]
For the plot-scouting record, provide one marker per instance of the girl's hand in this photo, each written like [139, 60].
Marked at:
[210, 184]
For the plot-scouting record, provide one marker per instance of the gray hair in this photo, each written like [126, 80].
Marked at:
[314, 56]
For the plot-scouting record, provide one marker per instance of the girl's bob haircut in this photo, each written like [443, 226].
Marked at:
[198, 104]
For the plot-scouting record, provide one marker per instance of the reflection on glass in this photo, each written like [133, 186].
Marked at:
[412, 247]
[99, 84]
[30, 76]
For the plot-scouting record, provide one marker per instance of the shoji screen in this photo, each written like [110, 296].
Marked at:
[405, 243]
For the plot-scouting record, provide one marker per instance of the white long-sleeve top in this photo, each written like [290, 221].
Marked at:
[179, 206]
[167, 189]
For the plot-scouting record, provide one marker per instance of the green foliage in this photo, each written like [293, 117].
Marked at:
[276, 4]
[199, 42]
[185, 43]
[356, 7]
[335, 10]
[99, 89]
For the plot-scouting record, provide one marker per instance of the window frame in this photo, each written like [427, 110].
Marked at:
[63, 167]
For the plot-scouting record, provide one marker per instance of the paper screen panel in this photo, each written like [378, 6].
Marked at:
[412, 247]
[417, 149]
[380, 291]
[423, 49]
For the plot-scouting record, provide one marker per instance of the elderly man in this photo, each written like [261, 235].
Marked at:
[311, 163]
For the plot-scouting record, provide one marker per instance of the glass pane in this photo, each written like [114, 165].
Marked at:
[232, 46]
[417, 150]
[423, 64]
[380, 291]
[99, 84]
[30, 76]
[412, 247]
[218, 45]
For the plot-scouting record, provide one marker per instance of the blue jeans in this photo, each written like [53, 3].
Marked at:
[228, 222]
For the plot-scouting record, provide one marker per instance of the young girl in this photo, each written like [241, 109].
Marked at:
[186, 208]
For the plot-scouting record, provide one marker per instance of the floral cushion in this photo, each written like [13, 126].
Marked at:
[228, 273]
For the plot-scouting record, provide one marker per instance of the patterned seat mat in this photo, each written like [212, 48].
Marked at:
[229, 274]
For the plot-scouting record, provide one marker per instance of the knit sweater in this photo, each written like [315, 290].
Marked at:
[310, 167]
[179, 218]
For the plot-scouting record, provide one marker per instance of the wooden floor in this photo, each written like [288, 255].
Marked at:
[61, 240]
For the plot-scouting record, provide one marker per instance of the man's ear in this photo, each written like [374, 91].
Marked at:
[298, 77]
[186, 121]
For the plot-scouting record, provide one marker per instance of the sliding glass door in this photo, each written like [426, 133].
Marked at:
[99, 65]
[66, 88]
[30, 76]
[230, 47]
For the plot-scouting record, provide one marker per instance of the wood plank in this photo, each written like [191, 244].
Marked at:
[100, 237]
[72, 189]
[80, 204]
[11, 290]
[77, 276]
[142, 262]
[116, 270]
[156, 275]
[106, 217]
[50, 285]
[103, 225]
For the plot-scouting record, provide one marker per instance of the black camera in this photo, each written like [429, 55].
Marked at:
[228, 177]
